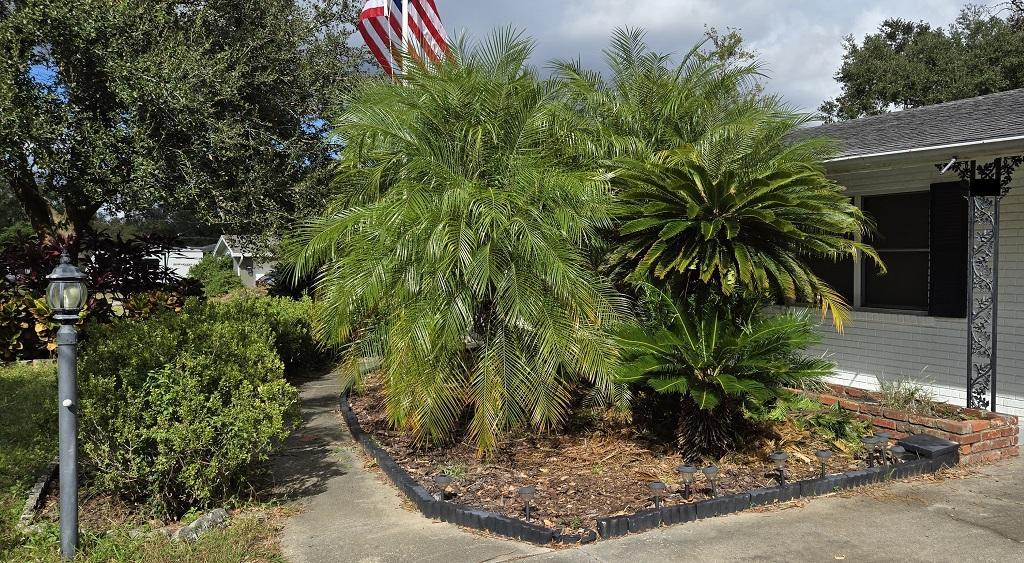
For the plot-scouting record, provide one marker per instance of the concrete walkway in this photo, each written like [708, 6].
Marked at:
[349, 514]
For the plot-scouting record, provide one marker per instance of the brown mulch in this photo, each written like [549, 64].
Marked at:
[595, 469]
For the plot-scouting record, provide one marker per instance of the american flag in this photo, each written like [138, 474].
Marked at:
[385, 23]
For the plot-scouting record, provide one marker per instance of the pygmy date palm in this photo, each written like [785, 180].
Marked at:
[455, 250]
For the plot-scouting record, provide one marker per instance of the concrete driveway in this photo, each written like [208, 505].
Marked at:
[348, 513]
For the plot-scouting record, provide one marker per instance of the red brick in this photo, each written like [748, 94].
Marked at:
[828, 400]
[954, 426]
[854, 392]
[1012, 451]
[904, 427]
[991, 456]
[871, 408]
[851, 406]
[899, 435]
[1008, 431]
[896, 414]
[996, 444]
[967, 438]
[965, 449]
[924, 420]
[885, 423]
[978, 425]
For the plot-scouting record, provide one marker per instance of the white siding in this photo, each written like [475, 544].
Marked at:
[878, 345]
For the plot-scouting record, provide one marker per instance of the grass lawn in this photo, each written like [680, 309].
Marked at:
[28, 434]
[28, 438]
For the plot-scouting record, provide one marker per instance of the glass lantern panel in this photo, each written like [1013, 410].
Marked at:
[74, 295]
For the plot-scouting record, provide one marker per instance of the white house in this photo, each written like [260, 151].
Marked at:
[181, 260]
[922, 173]
[250, 265]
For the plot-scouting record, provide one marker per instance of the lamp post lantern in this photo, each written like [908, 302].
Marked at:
[66, 295]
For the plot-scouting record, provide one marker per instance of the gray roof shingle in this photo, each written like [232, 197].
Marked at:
[992, 116]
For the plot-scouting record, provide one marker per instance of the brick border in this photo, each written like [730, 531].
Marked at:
[988, 436]
[927, 461]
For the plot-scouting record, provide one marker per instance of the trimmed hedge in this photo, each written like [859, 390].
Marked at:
[178, 410]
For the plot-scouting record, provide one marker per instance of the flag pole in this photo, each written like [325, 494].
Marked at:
[405, 30]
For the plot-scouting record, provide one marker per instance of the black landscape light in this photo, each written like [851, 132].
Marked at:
[779, 460]
[527, 494]
[66, 294]
[711, 472]
[442, 481]
[658, 491]
[871, 446]
[823, 457]
[686, 473]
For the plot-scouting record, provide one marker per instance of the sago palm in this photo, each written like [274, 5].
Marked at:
[712, 189]
[718, 365]
[455, 251]
[743, 209]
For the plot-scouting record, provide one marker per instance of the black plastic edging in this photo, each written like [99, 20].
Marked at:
[451, 512]
[614, 526]
[647, 519]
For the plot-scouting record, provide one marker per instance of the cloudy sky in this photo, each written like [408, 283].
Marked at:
[798, 40]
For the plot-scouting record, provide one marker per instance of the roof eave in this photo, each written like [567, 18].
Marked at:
[962, 151]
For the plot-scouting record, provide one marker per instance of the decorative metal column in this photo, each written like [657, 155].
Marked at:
[987, 184]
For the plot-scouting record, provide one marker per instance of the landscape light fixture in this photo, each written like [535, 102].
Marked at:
[687, 473]
[823, 457]
[66, 294]
[442, 481]
[779, 460]
[710, 472]
[897, 452]
[527, 493]
[658, 491]
[870, 447]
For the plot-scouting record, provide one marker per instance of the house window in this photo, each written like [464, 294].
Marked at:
[902, 241]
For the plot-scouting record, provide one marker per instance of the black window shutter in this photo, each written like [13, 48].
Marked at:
[948, 240]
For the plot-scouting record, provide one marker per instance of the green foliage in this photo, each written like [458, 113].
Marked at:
[213, 107]
[216, 274]
[908, 64]
[720, 361]
[26, 326]
[178, 410]
[456, 248]
[247, 538]
[651, 104]
[291, 323]
[834, 424]
[28, 433]
[741, 210]
[711, 189]
[906, 394]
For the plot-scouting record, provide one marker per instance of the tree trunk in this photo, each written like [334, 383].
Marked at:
[39, 212]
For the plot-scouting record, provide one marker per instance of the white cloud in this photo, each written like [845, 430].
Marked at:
[800, 41]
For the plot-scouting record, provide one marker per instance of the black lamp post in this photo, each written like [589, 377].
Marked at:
[527, 493]
[66, 295]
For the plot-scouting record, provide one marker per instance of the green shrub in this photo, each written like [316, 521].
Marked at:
[290, 321]
[177, 411]
[216, 274]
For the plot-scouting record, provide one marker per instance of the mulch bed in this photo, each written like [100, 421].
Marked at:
[596, 469]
